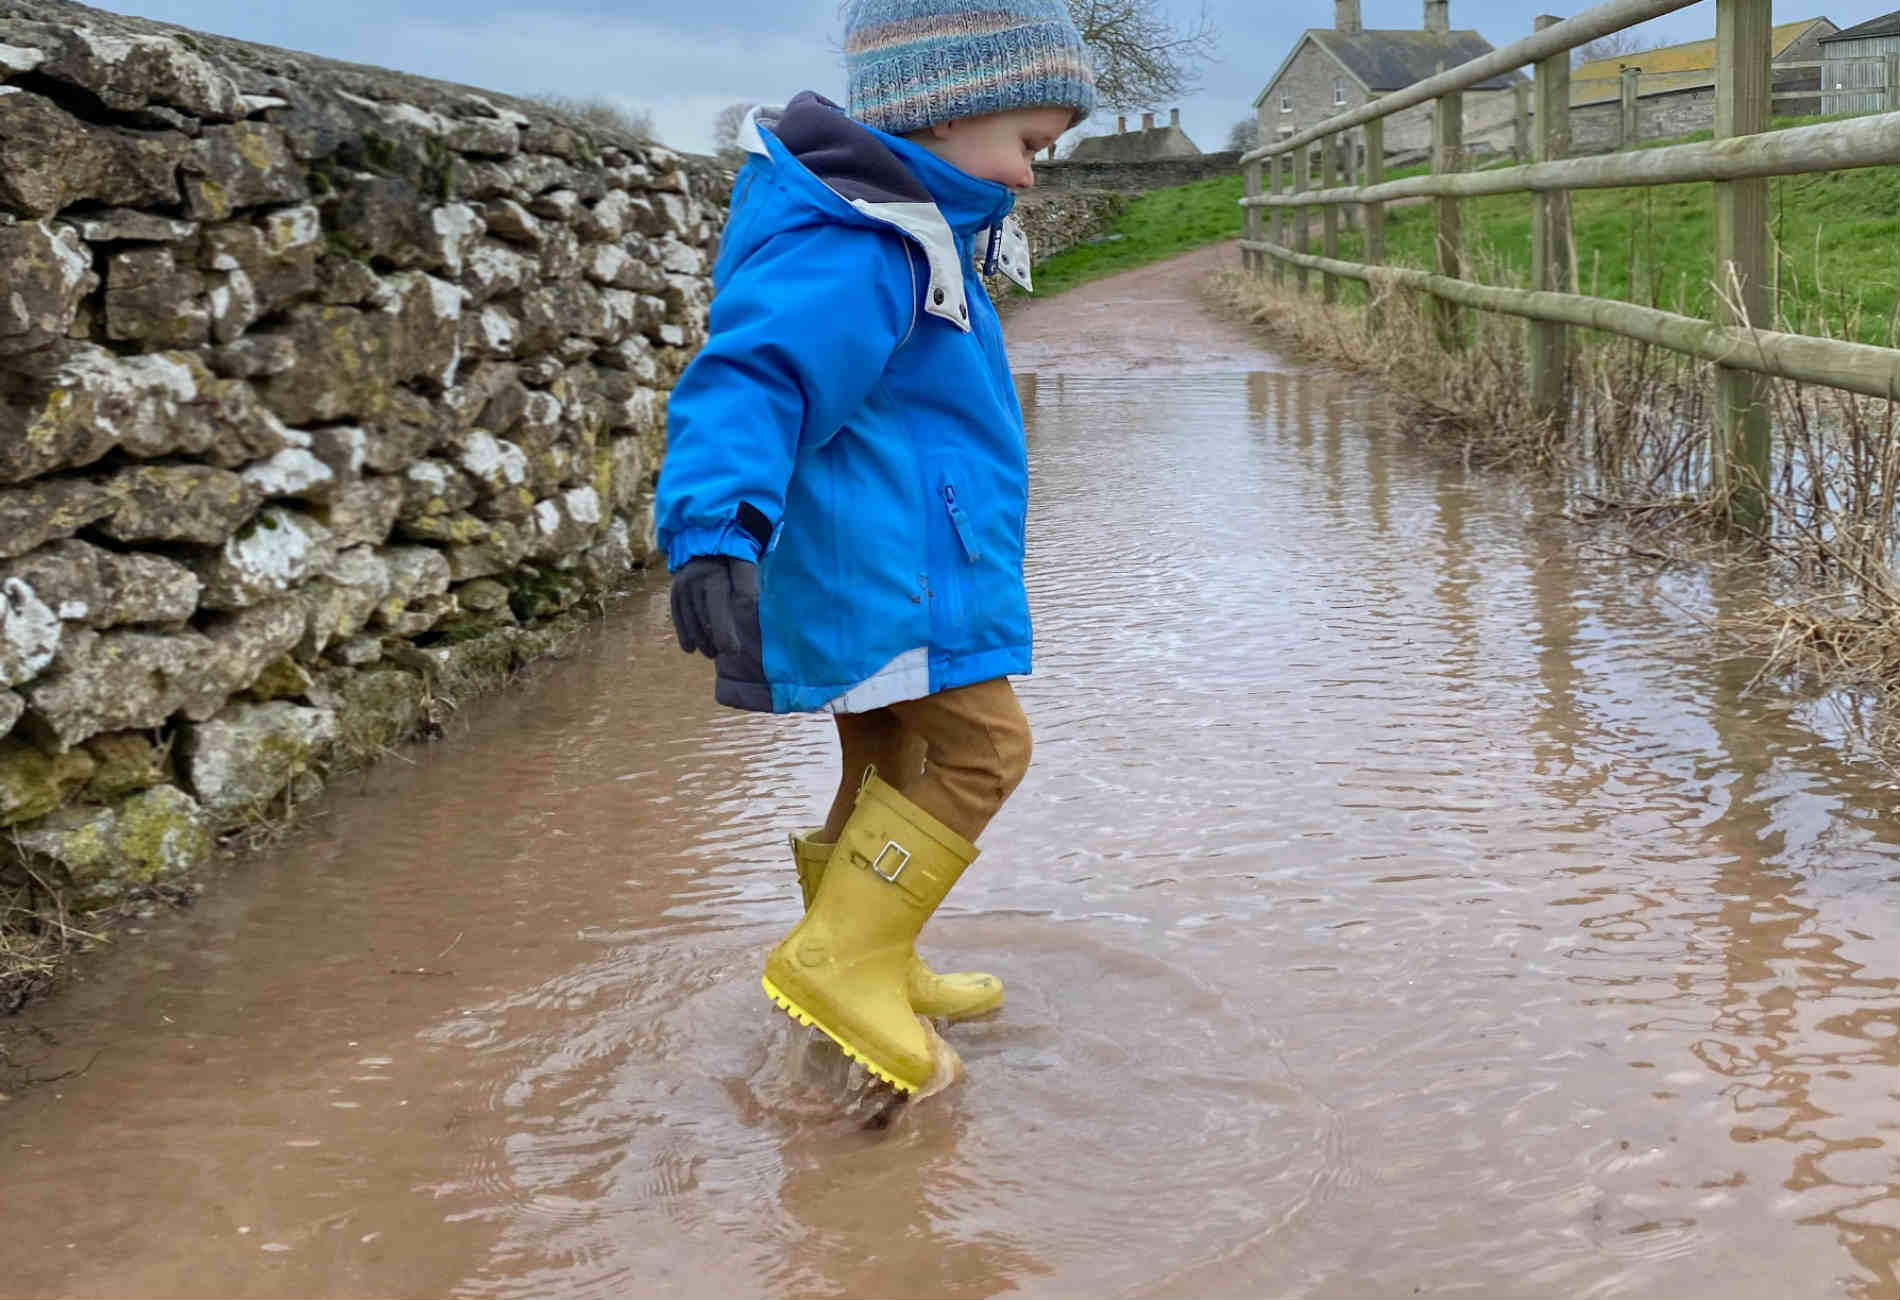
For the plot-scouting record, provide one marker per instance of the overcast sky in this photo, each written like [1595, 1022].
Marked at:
[683, 60]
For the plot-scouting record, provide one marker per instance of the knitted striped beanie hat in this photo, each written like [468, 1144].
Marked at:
[911, 63]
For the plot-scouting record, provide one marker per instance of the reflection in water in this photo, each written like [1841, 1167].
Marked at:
[1395, 906]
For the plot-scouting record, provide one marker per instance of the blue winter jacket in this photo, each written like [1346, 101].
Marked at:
[851, 423]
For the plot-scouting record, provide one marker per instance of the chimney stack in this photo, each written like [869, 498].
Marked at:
[1147, 121]
[1438, 15]
[1174, 117]
[1346, 17]
[1121, 124]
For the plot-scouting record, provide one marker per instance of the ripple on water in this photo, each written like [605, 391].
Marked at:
[1394, 905]
[684, 1109]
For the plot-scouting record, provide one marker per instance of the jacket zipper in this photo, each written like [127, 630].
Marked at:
[960, 522]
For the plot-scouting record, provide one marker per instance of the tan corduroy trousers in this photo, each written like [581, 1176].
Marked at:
[957, 754]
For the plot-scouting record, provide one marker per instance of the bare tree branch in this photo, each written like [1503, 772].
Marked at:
[1141, 59]
[603, 112]
[1612, 44]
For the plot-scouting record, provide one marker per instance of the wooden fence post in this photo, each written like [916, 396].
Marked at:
[1375, 215]
[1302, 181]
[1447, 242]
[1521, 123]
[1249, 259]
[1626, 122]
[1329, 215]
[1350, 173]
[1743, 47]
[1279, 218]
[1550, 237]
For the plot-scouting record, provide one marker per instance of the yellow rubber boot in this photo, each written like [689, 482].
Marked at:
[845, 967]
[957, 995]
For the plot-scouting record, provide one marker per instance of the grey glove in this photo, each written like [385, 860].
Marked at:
[716, 607]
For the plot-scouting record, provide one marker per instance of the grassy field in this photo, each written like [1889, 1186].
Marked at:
[1838, 235]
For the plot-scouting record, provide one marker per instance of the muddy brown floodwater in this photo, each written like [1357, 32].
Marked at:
[1403, 901]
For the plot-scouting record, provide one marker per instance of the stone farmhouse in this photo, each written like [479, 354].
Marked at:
[1332, 70]
[1146, 145]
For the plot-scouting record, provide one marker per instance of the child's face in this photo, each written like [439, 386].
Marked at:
[996, 146]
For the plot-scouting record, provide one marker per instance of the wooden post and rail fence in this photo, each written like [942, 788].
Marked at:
[1738, 161]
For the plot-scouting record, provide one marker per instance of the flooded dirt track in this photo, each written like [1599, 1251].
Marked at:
[1399, 903]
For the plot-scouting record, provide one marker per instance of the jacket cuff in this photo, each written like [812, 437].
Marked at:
[716, 539]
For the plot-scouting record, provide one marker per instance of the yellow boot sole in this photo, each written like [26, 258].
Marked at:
[805, 1017]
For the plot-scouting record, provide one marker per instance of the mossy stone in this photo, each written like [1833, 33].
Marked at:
[480, 665]
[538, 593]
[33, 783]
[377, 709]
[127, 761]
[482, 595]
[106, 852]
[282, 680]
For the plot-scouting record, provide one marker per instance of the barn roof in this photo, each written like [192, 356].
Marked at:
[1688, 66]
[1885, 25]
[1392, 59]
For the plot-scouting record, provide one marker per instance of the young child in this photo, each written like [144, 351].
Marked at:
[843, 498]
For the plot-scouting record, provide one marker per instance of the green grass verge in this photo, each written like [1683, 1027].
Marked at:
[1157, 225]
[1838, 235]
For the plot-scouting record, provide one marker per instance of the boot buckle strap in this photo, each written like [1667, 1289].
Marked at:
[891, 847]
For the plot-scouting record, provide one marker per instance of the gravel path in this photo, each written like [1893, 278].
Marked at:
[1149, 319]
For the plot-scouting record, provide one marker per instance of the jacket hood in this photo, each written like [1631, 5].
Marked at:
[888, 179]
[860, 161]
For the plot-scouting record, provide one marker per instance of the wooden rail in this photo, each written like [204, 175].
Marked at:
[1855, 367]
[1872, 141]
[1737, 162]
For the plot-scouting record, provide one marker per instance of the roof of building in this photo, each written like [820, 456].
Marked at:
[1885, 25]
[1135, 146]
[1391, 59]
[1688, 66]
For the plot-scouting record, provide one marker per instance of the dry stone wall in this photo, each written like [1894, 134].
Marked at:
[320, 387]
[1134, 177]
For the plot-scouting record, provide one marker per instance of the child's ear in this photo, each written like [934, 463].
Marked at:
[941, 130]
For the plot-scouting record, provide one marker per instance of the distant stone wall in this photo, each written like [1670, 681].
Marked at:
[1660, 115]
[323, 389]
[1134, 177]
[1598, 128]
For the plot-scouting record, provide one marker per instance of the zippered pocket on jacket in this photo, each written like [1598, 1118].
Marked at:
[965, 530]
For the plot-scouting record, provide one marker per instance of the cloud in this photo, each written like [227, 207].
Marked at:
[683, 65]
[681, 77]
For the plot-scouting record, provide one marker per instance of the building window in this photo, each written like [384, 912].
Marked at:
[1339, 90]
[1286, 101]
